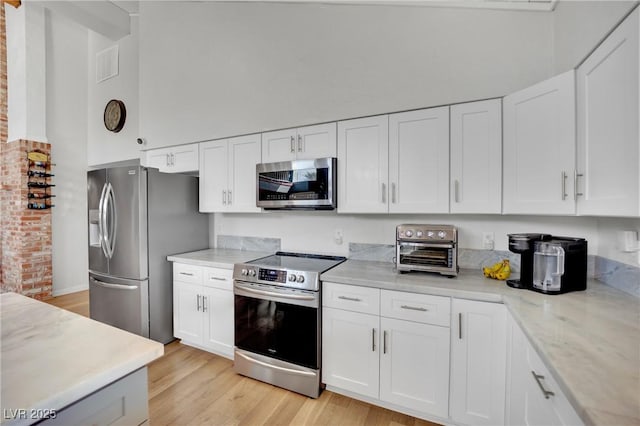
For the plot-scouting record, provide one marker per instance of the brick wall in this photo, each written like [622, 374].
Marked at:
[25, 243]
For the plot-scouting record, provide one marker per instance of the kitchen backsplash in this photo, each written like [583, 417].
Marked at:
[248, 243]
[616, 274]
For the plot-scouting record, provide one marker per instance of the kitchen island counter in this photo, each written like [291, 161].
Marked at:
[590, 340]
[51, 358]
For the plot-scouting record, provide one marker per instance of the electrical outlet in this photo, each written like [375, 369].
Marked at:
[488, 240]
[337, 237]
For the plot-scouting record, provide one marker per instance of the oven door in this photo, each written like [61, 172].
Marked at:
[277, 322]
[439, 257]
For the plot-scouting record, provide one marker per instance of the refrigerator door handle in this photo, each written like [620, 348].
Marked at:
[113, 213]
[114, 286]
[102, 225]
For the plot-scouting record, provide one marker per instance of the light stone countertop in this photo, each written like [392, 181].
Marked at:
[217, 258]
[51, 358]
[589, 340]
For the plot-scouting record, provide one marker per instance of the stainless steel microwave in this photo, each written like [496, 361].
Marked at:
[298, 184]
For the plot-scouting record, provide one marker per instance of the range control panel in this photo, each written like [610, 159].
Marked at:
[282, 277]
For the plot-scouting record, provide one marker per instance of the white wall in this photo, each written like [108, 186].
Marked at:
[314, 231]
[210, 70]
[66, 95]
[579, 26]
[104, 146]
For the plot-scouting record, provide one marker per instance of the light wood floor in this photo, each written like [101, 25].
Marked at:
[188, 386]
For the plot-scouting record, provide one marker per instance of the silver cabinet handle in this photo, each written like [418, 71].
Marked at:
[384, 193]
[384, 342]
[393, 192]
[224, 197]
[204, 303]
[168, 160]
[352, 299]
[198, 303]
[456, 190]
[576, 194]
[229, 197]
[189, 274]
[414, 308]
[459, 325]
[217, 278]
[373, 340]
[293, 144]
[299, 143]
[546, 393]
[564, 185]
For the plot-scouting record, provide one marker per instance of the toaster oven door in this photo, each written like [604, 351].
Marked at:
[438, 257]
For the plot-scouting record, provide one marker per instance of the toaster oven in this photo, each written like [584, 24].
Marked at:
[427, 248]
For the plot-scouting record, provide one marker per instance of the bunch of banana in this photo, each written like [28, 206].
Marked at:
[500, 270]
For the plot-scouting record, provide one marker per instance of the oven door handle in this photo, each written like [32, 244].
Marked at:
[428, 245]
[275, 294]
[275, 367]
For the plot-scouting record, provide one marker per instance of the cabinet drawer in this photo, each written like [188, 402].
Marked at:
[187, 273]
[218, 278]
[422, 308]
[351, 298]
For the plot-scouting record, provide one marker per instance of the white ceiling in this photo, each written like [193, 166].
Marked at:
[131, 6]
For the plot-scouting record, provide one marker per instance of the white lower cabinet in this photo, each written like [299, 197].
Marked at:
[534, 398]
[402, 360]
[478, 362]
[203, 308]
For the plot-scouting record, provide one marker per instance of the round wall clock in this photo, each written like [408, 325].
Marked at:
[114, 115]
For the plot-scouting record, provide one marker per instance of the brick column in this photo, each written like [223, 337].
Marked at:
[25, 248]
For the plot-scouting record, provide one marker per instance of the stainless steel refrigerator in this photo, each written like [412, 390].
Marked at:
[138, 216]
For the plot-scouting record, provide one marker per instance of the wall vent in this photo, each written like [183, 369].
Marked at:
[107, 64]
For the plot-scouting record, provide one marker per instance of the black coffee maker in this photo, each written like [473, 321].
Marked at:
[524, 245]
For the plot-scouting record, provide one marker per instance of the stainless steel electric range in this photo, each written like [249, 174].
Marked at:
[278, 319]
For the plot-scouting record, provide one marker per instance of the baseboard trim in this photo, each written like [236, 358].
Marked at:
[69, 290]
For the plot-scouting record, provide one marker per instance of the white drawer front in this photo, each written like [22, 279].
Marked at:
[351, 298]
[218, 278]
[416, 307]
[187, 273]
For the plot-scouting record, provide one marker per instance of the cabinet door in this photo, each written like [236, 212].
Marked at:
[414, 366]
[187, 312]
[476, 157]
[157, 159]
[244, 154]
[539, 148]
[608, 135]
[218, 315]
[527, 404]
[363, 157]
[419, 161]
[280, 145]
[350, 351]
[478, 362]
[316, 141]
[184, 158]
[213, 176]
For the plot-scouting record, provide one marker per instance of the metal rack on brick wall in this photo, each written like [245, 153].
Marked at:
[39, 181]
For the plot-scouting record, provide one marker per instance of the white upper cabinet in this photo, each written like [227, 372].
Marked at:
[228, 174]
[608, 137]
[303, 143]
[176, 159]
[476, 157]
[539, 148]
[419, 161]
[363, 171]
